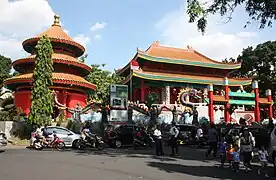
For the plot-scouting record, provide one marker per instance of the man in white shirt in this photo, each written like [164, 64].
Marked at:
[174, 135]
[158, 142]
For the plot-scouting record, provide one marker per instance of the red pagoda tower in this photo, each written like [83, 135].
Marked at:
[68, 76]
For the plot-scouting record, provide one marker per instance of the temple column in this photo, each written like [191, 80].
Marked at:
[167, 95]
[227, 105]
[269, 99]
[211, 103]
[257, 106]
[142, 91]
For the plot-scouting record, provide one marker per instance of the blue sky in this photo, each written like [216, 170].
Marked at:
[128, 25]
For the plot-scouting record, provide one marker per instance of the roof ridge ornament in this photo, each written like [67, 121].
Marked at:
[190, 47]
[56, 20]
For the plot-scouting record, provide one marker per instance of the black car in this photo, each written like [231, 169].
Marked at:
[122, 135]
[187, 131]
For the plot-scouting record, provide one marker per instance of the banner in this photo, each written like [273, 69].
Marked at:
[118, 96]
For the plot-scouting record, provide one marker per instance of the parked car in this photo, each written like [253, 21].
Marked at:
[70, 139]
[121, 136]
[185, 129]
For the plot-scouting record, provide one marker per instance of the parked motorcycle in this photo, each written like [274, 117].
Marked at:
[3, 140]
[90, 142]
[147, 141]
[53, 141]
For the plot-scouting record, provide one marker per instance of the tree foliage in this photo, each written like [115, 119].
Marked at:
[42, 99]
[259, 62]
[262, 11]
[102, 79]
[5, 68]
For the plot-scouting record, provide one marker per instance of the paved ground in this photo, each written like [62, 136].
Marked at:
[123, 164]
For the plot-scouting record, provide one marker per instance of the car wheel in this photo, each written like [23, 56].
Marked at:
[74, 144]
[118, 144]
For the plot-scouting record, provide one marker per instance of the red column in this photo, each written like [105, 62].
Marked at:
[211, 103]
[227, 105]
[269, 99]
[257, 106]
[142, 90]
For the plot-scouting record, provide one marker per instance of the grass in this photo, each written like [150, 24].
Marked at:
[18, 141]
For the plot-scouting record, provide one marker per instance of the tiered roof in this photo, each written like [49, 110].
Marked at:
[187, 57]
[58, 38]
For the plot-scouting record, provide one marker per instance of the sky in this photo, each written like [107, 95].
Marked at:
[112, 30]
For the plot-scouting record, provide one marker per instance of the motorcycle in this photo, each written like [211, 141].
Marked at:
[3, 140]
[147, 141]
[90, 142]
[53, 141]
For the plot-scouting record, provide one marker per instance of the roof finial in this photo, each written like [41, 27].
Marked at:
[57, 20]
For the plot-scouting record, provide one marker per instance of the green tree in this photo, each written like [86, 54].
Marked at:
[42, 100]
[102, 79]
[259, 63]
[5, 68]
[262, 11]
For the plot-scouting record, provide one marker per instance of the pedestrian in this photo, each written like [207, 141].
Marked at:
[263, 156]
[158, 142]
[236, 158]
[213, 141]
[174, 136]
[222, 151]
[247, 144]
[229, 152]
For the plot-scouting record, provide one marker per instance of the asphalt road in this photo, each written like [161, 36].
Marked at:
[110, 164]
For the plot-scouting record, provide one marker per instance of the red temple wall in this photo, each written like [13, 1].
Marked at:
[22, 99]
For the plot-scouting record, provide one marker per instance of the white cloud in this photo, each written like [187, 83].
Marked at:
[66, 31]
[82, 39]
[97, 37]
[20, 20]
[98, 25]
[219, 41]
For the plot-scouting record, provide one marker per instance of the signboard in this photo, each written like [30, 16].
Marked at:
[118, 115]
[118, 96]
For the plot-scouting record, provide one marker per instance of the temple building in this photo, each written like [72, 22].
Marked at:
[181, 77]
[68, 77]
[166, 70]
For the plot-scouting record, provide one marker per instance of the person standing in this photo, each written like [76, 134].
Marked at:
[158, 142]
[247, 144]
[174, 135]
[195, 116]
[213, 141]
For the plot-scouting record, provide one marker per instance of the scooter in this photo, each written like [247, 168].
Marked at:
[147, 141]
[90, 142]
[3, 140]
[52, 142]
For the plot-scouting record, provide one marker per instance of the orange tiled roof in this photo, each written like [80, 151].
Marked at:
[55, 33]
[58, 78]
[176, 53]
[58, 58]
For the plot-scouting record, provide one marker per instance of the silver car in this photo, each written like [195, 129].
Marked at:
[70, 139]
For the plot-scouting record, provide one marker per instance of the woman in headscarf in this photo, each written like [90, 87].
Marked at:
[247, 144]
